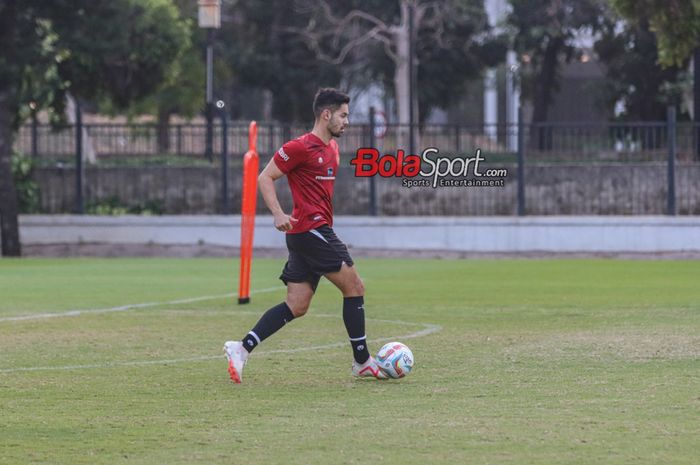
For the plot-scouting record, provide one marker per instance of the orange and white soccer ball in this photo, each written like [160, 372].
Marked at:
[395, 360]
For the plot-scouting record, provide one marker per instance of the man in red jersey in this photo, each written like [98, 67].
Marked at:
[310, 163]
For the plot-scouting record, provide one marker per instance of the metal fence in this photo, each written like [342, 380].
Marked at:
[553, 168]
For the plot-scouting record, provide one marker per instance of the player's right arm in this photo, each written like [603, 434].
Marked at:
[266, 182]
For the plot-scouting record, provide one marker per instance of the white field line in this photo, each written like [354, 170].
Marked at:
[428, 329]
[123, 308]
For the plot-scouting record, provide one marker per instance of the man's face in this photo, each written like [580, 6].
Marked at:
[338, 120]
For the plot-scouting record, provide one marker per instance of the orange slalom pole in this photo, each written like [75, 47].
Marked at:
[250, 193]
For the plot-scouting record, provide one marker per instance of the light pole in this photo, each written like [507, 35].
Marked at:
[210, 19]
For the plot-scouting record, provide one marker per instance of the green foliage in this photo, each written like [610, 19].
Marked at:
[676, 24]
[121, 50]
[633, 73]
[161, 160]
[446, 65]
[29, 59]
[262, 53]
[118, 50]
[181, 89]
[266, 53]
[27, 189]
[113, 206]
[544, 33]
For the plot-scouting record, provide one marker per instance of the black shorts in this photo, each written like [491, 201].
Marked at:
[313, 254]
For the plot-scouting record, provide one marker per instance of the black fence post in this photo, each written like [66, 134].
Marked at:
[178, 144]
[35, 135]
[671, 134]
[224, 163]
[521, 164]
[372, 181]
[209, 134]
[79, 168]
[209, 109]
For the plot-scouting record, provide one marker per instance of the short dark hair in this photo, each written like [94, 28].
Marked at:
[328, 97]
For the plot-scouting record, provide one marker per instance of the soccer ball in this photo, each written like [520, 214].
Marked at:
[395, 360]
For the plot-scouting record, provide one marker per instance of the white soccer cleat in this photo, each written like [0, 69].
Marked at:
[367, 369]
[237, 357]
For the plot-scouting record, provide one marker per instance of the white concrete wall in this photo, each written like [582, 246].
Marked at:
[473, 234]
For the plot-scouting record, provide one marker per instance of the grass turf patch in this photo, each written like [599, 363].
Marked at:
[561, 361]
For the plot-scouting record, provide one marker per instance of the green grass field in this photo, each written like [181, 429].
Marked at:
[517, 362]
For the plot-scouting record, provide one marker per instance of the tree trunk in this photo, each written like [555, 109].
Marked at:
[9, 225]
[401, 91]
[401, 78]
[545, 82]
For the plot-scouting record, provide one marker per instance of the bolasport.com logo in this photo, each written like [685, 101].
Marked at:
[430, 169]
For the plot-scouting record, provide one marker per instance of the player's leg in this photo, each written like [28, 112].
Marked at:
[348, 281]
[301, 285]
[299, 297]
[294, 306]
[330, 255]
[324, 254]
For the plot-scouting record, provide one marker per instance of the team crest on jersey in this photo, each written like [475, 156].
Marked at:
[330, 171]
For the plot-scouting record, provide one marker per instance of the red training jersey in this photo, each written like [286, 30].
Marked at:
[310, 166]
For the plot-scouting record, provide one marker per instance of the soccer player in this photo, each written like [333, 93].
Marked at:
[310, 163]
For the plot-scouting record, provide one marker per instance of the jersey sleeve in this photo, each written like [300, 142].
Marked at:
[289, 156]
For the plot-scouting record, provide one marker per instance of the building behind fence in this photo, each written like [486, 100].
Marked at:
[553, 168]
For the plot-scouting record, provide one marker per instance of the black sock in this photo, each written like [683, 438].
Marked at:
[354, 318]
[269, 324]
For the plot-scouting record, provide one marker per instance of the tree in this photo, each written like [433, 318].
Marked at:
[633, 73]
[466, 49]
[676, 24]
[118, 50]
[544, 33]
[450, 37]
[261, 53]
[181, 93]
[182, 88]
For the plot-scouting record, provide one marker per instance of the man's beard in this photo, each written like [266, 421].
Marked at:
[336, 133]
